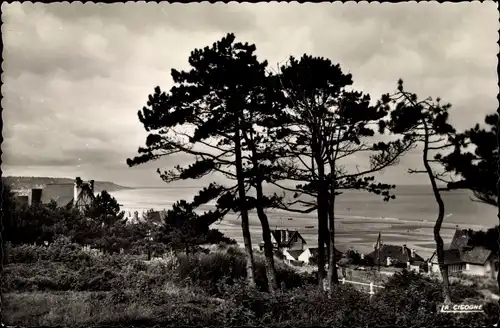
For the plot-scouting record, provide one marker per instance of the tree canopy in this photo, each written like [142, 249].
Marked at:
[475, 160]
[105, 209]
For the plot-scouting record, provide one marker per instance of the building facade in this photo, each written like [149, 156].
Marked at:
[284, 239]
[463, 257]
[79, 194]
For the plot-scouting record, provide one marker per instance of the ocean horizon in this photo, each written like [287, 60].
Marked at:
[360, 216]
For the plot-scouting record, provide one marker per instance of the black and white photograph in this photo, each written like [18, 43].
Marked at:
[275, 164]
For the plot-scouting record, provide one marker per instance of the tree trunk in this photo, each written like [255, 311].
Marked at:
[439, 221]
[272, 279]
[327, 240]
[321, 251]
[245, 226]
[333, 278]
[322, 200]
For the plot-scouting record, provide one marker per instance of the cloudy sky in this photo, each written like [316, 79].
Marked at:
[75, 75]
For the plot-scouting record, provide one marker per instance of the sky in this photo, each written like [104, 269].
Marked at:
[75, 75]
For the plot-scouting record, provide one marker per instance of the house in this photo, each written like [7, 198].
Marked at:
[395, 255]
[285, 240]
[310, 255]
[461, 256]
[292, 256]
[79, 194]
[83, 193]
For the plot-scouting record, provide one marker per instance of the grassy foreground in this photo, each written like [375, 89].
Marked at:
[63, 285]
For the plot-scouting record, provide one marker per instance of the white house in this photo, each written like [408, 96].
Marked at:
[305, 256]
[465, 258]
[286, 240]
[309, 254]
[292, 255]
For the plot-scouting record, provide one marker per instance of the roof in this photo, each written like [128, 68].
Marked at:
[477, 255]
[295, 253]
[460, 239]
[86, 191]
[314, 252]
[278, 234]
[396, 252]
[62, 194]
[452, 256]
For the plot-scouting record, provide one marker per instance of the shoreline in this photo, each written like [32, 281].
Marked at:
[352, 231]
[355, 234]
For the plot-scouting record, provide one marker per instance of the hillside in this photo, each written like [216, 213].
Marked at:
[22, 183]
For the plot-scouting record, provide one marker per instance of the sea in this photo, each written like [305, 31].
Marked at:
[360, 216]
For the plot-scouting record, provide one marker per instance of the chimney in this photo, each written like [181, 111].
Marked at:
[136, 216]
[36, 196]
[404, 249]
[412, 253]
[91, 185]
[77, 189]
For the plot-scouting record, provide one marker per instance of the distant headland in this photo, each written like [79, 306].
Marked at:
[23, 183]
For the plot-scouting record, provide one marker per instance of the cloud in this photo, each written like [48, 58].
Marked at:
[141, 17]
[75, 75]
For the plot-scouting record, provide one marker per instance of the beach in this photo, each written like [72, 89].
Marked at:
[409, 219]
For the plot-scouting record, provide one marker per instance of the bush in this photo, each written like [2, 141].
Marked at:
[211, 270]
[296, 307]
[201, 289]
[61, 250]
[64, 266]
[411, 299]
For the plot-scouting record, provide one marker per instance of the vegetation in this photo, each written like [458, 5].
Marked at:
[425, 122]
[321, 125]
[476, 160]
[224, 100]
[63, 284]
[252, 127]
[105, 209]
[102, 227]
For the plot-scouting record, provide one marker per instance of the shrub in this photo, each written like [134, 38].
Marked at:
[52, 269]
[411, 299]
[22, 253]
[295, 307]
[61, 250]
[226, 267]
